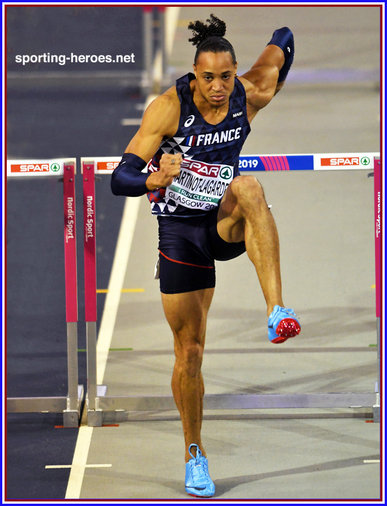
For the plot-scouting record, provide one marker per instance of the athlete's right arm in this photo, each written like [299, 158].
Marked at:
[161, 119]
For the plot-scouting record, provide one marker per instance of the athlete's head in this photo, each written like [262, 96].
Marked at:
[215, 63]
[209, 37]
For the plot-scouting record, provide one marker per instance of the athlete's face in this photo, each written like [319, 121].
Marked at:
[215, 74]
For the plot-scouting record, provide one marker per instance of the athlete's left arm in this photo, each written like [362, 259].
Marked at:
[267, 76]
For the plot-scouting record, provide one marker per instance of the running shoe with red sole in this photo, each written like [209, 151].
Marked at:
[282, 325]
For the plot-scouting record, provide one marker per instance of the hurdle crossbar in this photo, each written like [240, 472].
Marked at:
[269, 163]
[68, 405]
[99, 402]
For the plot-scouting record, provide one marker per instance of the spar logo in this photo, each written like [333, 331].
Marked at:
[349, 161]
[26, 168]
[33, 168]
[202, 168]
[55, 167]
[212, 170]
[226, 173]
[365, 161]
[107, 166]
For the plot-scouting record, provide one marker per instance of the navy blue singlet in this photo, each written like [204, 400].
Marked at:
[211, 155]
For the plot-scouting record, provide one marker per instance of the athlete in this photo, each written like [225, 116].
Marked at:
[189, 141]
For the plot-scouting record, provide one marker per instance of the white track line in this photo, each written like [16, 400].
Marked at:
[115, 288]
[121, 257]
[81, 452]
[117, 275]
[120, 262]
[130, 121]
[171, 19]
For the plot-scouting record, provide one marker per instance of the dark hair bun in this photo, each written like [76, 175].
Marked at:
[201, 31]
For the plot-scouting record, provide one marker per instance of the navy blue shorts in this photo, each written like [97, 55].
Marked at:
[188, 248]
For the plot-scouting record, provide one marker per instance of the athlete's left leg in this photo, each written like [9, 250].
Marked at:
[244, 216]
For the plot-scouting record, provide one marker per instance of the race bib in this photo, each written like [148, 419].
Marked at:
[200, 185]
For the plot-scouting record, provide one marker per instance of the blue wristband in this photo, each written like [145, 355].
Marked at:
[127, 178]
[283, 38]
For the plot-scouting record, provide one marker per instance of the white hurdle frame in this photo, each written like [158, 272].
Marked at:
[70, 405]
[99, 403]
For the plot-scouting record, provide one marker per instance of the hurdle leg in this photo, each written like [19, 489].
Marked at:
[147, 80]
[376, 406]
[162, 40]
[94, 414]
[378, 275]
[75, 393]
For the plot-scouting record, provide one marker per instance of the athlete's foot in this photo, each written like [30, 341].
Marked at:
[282, 324]
[197, 480]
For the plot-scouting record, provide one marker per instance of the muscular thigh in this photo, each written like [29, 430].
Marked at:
[185, 262]
[188, 248]
[186, 314]
[230, 225]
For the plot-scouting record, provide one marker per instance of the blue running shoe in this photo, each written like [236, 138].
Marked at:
[282, 324]
[197, 480]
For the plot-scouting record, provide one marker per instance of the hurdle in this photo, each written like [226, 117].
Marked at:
[70, 405]
[99, 404]
[155, 50]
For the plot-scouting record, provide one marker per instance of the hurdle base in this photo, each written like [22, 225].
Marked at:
[94, 417]
[70, 419]
[119, 407]
[376, 413]
[48, 405]
[376, 409]
[71, 416]
[95, 414]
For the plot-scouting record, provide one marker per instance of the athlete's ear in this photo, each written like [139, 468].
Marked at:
[194, 69]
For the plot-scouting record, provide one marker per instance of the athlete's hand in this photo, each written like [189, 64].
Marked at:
[169, 168]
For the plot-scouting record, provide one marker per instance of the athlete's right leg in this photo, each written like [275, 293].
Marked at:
[186, 314]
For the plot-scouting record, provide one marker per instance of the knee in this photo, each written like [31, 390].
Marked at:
[191, 358]
[247, 189]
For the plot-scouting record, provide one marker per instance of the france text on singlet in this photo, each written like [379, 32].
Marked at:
[211, 155]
